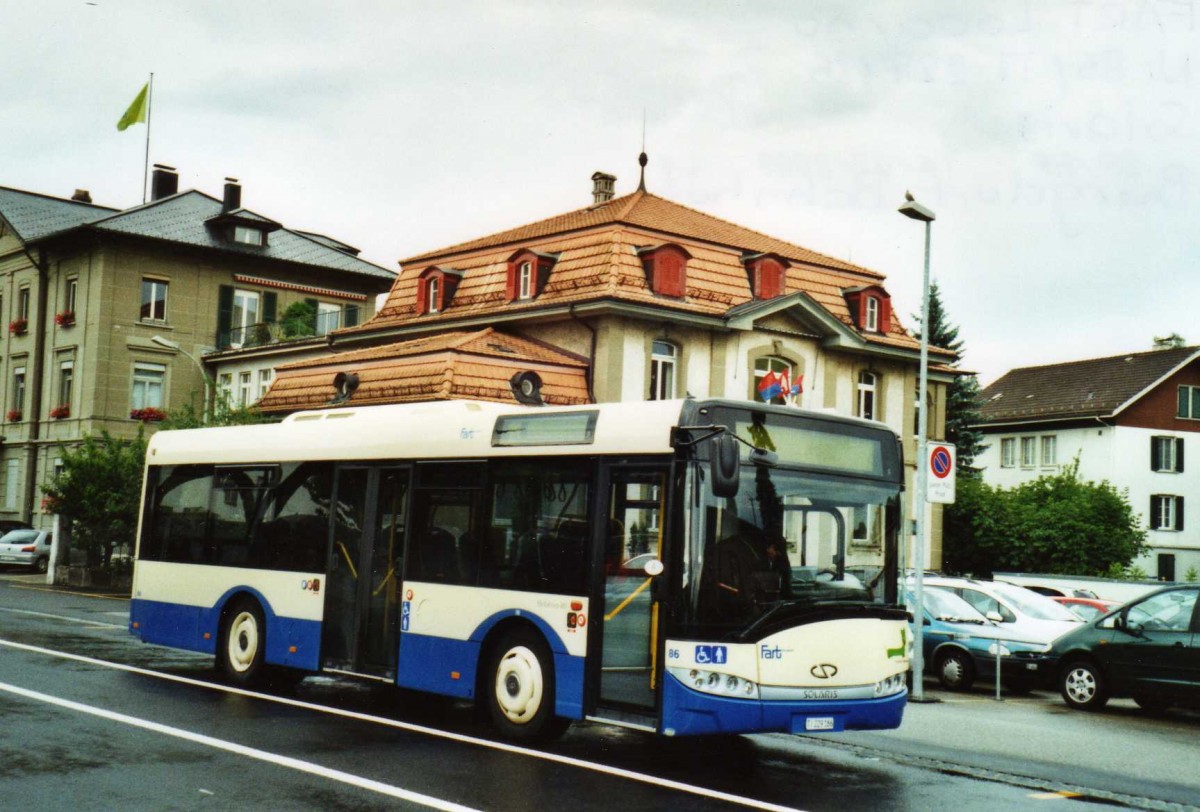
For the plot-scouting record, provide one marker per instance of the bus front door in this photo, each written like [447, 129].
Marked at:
[630, 632]
[360, 634]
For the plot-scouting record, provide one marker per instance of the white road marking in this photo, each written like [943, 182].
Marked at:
[569, 761]
[64, 617]
[242, 750]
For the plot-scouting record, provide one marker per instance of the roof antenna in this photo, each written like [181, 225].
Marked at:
[642, 159]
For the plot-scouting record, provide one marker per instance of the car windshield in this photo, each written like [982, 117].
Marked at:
[19, 537]
[947, 606]
[1031, 604]
[785, 541]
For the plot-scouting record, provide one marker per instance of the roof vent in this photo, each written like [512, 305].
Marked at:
[233, 195]
[82, 196]
[164, 182]
[603, 186]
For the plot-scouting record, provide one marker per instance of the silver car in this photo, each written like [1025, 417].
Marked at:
[1021, 613]
[26, 548]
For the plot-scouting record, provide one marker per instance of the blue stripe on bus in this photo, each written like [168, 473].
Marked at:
[180, 626]
[430, 663]
[688, 713]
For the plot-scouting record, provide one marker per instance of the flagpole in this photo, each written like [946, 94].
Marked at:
[146, 163]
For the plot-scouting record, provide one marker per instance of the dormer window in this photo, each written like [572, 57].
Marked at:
[435, 289]
[528, 273]
[871, 317]
[666, 269]
[767, 274]
[525, 284]
[870, 308]
[248, 236]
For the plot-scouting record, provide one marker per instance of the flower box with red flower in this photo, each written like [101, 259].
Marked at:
[59, 412]
[13, 416]
[149, 414]
[65, 318]
[18, 326]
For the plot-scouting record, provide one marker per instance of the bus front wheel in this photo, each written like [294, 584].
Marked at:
[242, 642]
[521, 687]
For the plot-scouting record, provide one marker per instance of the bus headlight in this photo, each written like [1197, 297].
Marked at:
[892, 685]
[711, 682]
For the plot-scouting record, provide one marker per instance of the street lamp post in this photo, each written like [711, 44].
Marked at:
[911, 208]
[174, 345]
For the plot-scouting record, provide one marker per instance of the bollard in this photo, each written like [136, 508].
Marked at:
[999, 648]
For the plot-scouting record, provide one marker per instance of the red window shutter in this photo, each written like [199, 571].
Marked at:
[770, 279]
[885, 314]
[422, 304]
[669, 273]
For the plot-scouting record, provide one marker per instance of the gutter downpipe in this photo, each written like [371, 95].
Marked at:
[591, 370]
[35, 389]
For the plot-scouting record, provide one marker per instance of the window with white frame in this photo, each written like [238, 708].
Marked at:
[871, 322]
[23, 303]
[1028, 452]
[243, 396]
[663, 355]
[1166, 454]
[71, 294]
[329, 317]
[247, 235]
[1008, 452]
[225, 388]
[1166, 512]
[265, 376]
[246, 307]
[147, 391]
[432, 289]
[1189, 402]
[868, 386]
[154, 300]
[66, 382]
[525, 281]
[18, 391]
[1049, 450]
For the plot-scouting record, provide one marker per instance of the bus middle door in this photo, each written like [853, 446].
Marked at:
[360, 634]
[630, 633]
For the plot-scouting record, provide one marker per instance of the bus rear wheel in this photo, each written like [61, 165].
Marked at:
[520, 690]
[242, 642]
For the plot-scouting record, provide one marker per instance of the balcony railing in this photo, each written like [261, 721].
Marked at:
[275, 332]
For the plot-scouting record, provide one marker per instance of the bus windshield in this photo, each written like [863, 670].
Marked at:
[787, 540]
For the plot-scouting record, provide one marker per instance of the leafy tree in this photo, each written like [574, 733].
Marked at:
[299, 320]
[962, 397]
[190, 415]
[98, 492]
[1054, 524]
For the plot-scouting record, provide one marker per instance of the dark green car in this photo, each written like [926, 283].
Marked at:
[1148, 649]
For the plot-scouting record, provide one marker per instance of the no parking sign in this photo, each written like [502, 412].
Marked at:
[939, 484]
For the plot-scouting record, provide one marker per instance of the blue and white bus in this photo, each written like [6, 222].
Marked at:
[684, 567]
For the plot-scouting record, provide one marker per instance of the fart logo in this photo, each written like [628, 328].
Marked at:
[311, 585]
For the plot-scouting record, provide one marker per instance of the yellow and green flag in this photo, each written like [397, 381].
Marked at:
[137, 110]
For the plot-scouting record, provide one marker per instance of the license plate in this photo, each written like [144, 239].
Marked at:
[819, 723]
[9, 558]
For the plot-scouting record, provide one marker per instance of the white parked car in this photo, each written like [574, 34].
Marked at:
[26, 548]
[1025, 614]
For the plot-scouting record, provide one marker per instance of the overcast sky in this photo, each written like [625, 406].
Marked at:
[1058, 142]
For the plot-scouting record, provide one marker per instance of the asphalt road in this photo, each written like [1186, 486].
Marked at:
[93, 719]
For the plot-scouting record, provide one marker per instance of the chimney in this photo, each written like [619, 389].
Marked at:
[82, 196]
[602, 187]
[164, 182]
[233, 195]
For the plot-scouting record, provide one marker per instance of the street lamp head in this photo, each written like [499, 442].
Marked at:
[164, 342]
[911, 208]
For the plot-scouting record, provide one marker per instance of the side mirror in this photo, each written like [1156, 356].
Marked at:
[724, 462]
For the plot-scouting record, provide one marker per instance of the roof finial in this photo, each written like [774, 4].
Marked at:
[642, 159]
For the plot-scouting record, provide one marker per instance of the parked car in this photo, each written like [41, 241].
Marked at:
[26, 548]
[1147, 650]
[961, 645]
[1086, 608]
[1027, 615]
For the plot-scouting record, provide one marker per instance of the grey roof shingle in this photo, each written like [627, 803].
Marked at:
[180, 219]
[1096, 387]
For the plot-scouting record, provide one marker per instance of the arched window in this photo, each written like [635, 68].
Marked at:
[775, 380]
[525, 281]
[431, 294]
[663, 355]
[868, 385]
